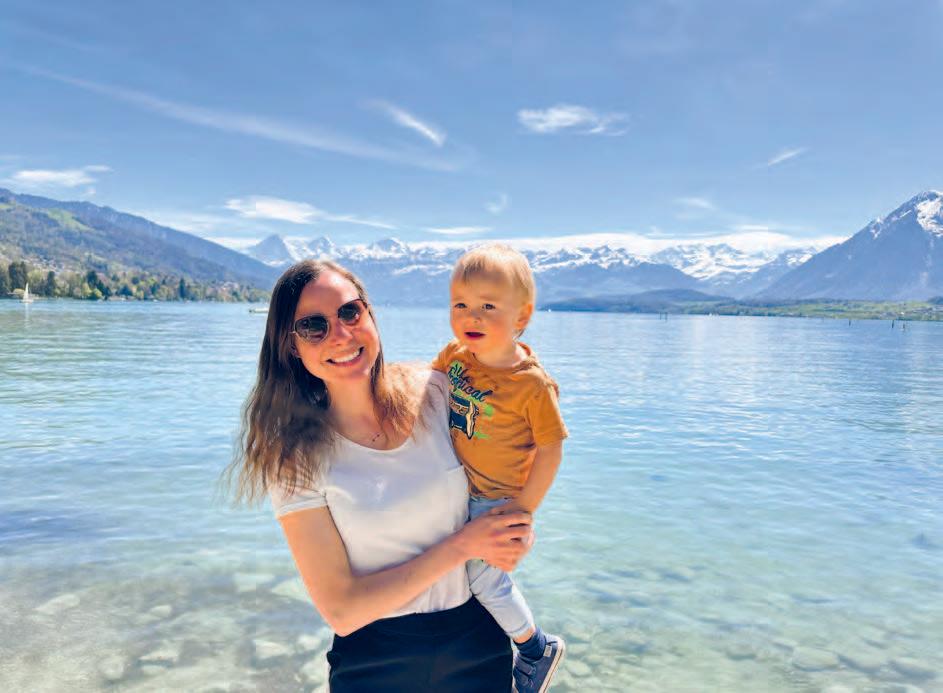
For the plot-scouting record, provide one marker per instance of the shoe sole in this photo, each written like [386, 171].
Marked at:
[561, 652]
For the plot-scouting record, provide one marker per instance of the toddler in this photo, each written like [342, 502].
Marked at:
[506, 428]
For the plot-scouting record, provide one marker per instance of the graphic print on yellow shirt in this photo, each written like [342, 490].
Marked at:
[466, 402]
[498, 417]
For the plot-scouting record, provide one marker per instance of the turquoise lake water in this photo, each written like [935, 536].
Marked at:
[745, 504]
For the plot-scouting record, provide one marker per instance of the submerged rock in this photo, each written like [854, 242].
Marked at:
[168, 653]
[267, 649]
[315, 671]
[913, 667]
[250, 582]
[578, 668]
[161, 611]
[680, 573]
[292, 588]
[637, 598]
[739, 650]
[813, 659]
[113, 668]
[578, 634]
[810, 597]
[873, 636]
[59, 604]
[865, 660]
[309, 642]
[785, 643]
[633, 641]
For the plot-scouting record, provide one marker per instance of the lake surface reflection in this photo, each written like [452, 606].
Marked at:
[745, 504]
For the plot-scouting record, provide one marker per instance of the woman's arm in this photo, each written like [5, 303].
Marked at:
[348, 602]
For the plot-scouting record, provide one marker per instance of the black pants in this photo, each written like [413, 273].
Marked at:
[460, 650]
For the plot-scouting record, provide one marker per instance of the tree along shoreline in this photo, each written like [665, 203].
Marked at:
[926, 311]
[123, 285]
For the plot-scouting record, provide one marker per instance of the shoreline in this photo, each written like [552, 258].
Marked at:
[893, 311]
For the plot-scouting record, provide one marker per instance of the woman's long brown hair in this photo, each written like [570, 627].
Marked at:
[286, 424]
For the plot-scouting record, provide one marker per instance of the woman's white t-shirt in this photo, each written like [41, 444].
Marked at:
[391, 505]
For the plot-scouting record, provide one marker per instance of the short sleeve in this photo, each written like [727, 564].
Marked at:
[438, 389]
[543, 415]
[441, 362]
[301, 499]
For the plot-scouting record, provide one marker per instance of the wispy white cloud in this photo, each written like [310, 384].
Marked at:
[786, 155]
[699, 203]
[41, 178]
[278, 209]
[694, 208]
[200, 222]
[565, 117]
[258, 207]
[60, 39]
[234, 242]
[402, 117]
[254, 125]
[499, 205]
[458, 230]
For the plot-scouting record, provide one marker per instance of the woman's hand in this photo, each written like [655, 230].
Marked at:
[499, 540]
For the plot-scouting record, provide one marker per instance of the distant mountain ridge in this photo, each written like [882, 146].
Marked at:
[419, 274]
[896, 257]
[74, 234]
[410, 270]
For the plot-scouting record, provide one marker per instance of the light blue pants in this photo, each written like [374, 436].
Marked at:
[494, 588]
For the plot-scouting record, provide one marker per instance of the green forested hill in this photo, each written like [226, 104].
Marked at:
[78, 236]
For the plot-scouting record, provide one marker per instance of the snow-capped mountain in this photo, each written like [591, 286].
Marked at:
[733, 271]
[896, 257]
[418, 274]
[564, 267]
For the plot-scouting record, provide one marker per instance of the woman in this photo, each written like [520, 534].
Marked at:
[357, 460]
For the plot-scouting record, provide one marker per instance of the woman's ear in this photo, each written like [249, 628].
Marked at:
[292, 349]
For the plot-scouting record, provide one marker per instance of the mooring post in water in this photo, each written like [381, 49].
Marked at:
[892, 324]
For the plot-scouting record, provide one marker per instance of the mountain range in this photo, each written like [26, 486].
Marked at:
[896, 257]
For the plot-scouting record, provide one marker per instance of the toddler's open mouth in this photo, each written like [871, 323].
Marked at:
[474, 335]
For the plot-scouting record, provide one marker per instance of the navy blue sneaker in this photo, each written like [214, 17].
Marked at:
[534, 677]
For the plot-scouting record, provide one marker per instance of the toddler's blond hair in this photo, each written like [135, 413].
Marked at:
[498, 260]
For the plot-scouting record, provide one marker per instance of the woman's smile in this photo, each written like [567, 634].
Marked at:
[348, 359]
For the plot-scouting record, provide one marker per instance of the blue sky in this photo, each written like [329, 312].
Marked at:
[473, 120]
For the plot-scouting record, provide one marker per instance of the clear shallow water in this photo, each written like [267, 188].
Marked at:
[746, 504]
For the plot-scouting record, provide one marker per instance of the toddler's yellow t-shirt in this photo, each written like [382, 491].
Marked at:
[498, 417]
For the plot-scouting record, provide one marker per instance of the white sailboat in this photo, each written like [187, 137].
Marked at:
[26, 297]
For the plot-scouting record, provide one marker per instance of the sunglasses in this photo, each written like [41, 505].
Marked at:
[315, 328]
